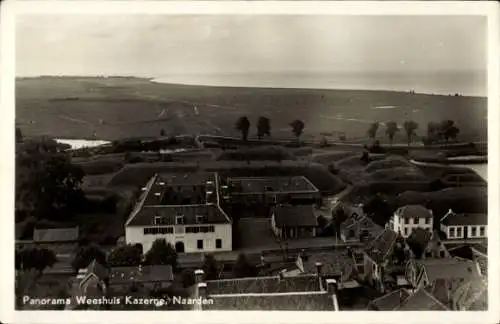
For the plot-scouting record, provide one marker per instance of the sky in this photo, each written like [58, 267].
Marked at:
[159, 45]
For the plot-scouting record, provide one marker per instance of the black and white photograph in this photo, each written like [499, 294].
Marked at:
[252, 162]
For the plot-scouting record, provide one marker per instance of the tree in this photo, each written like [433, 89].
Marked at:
[19, 135]
[372, 130]
[263, 127]
[35, 258]
[418, 240]
[392, 129]
[378, 210]
[125, 256]
[243, 125]
[161, 253]
[433, 132]
[243, 268]
[410, 126]
[297, 127]
[46, 180]
[448, 129]
[338, 217]
[188, 278]
[210, 267]
[87, 254]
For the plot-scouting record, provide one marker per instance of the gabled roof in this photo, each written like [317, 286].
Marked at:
[261, 285]
[413, 211]
[155, 273]
[450, 268]
[298, 215]
[423, 301]
[54, 235]
[382, 245]
[212, 213]
[389, 301]
[98, 269]
[465, 219]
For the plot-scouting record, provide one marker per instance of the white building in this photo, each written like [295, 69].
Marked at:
[409, 217]
[182, 210]
[463, 226]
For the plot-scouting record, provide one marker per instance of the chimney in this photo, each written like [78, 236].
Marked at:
[319, 266]
[331, 286]
[198, 275]
[202, 289]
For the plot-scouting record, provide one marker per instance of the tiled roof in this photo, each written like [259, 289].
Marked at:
[421, 300]
[146, 215]
[156, 273]
[413, 211]
[261, 285]
[334, 263]
[382, 245]
[272, 184]
[289, 302]
[472, 295]
[298, 215]
[389, 301]
[465, 219]
[55, 235]
[450, 268]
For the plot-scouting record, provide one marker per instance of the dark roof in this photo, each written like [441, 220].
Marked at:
[413, 211]
[450, 268]
[145, 216]
[465, 219]
[382, 245]
[298, 215]
[363, 223]
[272, 184]
[389, 301]
[156, 273]
[186, 179]
[262, 285]
[98, 269]
[55, 235]
[421, 300]
[334, 263]
[290, 302]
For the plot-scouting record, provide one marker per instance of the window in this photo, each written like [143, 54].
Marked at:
[218, 244]
[427, 220]
[200, 218]
[158, 230]
[157, 220]
[417, 220]
[199, 244]
[179, 219]
[452, 232]
[406, 231]
[473, 231]
[481, 231]
[406, 220]
[196, 229]
[459, 232]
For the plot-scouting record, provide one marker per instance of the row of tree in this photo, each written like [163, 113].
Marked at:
[436, 131]
[264, 127]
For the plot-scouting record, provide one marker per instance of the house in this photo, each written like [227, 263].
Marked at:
[272, 190]
[464, 225]
[409, 217]
[292, 222]
[189, 228]
[91, 282]
[150, 277]
[442, 277]
[405, 300]
[359, 229]
[55, 235]
[384, 257]
[295, 293]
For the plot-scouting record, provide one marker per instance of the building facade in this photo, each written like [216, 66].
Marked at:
[292, 222]
[409, 217]
[463, 226]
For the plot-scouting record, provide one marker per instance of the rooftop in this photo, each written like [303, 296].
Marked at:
[421, 300]
[298, 215]
[156, 273]
[334, 263]
[450, 268]
[413, 211]
[465, 219]
[382, 245]
[210, 214]
[53, 235]
[272, 184]
[390, 301]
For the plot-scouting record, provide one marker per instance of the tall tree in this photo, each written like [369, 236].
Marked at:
[392, 129]
[433, 132]
[263, 127]
[297, 127]
[87, 254]
[125, 256]
[448, 129]
[46, 180]
[378, 210]
[210, 267]
[243, 125]
[372, 130]
[161, 253]
[410, 126]
[35, 258]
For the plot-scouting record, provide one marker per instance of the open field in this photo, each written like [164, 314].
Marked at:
[119, 107]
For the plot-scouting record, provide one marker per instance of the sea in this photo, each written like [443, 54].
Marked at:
[469, 83]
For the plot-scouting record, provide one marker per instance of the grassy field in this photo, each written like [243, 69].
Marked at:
[123, 107]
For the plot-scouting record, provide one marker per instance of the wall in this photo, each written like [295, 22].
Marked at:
[135, 234]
